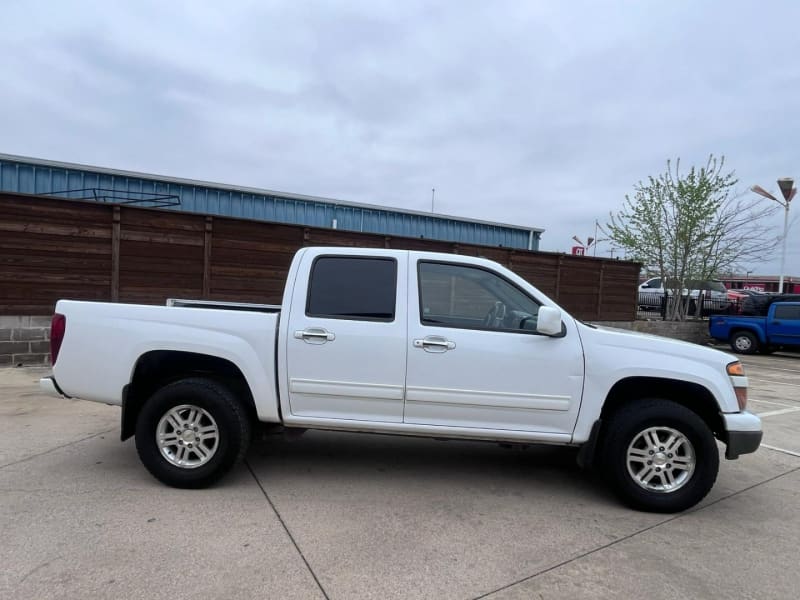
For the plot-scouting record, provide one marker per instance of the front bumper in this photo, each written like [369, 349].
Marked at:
[742, 442]
[742, 433]
[49, 386]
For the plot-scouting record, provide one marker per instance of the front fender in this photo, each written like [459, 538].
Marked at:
[612, 357]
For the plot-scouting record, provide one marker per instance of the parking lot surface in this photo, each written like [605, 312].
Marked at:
[333, 515]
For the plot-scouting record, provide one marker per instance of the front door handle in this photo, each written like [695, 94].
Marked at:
[314, 335]
[434, 343]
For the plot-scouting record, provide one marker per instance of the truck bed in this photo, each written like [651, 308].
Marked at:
[104, 342]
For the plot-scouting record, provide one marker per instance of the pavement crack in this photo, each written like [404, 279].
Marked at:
[286, 529]
[32, 456]
[632, 535]
[39, 567]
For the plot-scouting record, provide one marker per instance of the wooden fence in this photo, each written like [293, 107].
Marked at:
[52, 249]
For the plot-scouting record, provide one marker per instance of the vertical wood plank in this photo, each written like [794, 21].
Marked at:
[559, 266]
[599, 311]
[207, 241]
[115, 236]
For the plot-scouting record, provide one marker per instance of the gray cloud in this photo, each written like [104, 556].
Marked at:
[544, 115]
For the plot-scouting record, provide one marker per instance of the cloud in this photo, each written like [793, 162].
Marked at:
[544, 114]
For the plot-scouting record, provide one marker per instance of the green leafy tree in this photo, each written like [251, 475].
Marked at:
[690, 227]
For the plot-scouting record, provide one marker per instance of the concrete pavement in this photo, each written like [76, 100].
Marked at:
[361, 516]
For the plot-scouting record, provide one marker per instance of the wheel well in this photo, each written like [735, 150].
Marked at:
[158, 368]
[691, 395]
[744, 330]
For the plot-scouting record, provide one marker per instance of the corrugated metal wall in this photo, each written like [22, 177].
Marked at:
[34, 176]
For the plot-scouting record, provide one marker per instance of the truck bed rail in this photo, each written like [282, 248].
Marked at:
[222, 305]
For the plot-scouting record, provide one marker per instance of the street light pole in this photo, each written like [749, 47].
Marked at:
[788, 191]
[783, 249]
[786, 184]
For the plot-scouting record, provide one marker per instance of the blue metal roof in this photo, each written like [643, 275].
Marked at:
[72, 181]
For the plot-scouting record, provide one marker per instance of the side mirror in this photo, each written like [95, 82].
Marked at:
[548, 321]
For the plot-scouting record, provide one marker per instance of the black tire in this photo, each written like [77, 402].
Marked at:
[744, 342]
[627, 427]
[216, 410]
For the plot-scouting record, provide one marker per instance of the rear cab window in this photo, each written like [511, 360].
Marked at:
[353, 288]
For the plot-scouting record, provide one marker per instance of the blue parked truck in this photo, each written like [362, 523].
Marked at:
[778, 330]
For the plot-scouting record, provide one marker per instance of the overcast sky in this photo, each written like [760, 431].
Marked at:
[543, 114]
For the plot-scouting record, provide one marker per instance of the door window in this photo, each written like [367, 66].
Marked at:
[473, 298]
[353, 288]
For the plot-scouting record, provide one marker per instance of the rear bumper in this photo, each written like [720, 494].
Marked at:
[49, 386]
[743, 434]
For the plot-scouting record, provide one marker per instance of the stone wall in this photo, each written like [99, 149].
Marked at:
[24, 341]
[689, 331]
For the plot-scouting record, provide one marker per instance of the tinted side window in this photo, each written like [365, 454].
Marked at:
[790, 313]
[353, 288]
[473, 298]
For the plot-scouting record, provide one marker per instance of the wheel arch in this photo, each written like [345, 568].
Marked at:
[755, 331]
[157, 368]
[628, 390]
[693, 396]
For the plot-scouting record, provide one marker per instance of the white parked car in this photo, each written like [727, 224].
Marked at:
[715, 294]
[406, 343]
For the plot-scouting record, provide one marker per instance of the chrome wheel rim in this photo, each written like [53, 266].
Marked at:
[187, 436]
[661, 459]
[742, 343]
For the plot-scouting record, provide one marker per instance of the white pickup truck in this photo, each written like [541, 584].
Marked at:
[407, 343]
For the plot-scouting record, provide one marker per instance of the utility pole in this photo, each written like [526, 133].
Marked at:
[433, 194]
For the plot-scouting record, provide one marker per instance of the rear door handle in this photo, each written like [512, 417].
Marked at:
[434, 343]
[315, 335]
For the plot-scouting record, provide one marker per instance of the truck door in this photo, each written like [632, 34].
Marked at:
[475, 359]
[346, 338]
[783, 326]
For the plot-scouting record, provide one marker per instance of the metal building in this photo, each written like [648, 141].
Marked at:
[72, 181]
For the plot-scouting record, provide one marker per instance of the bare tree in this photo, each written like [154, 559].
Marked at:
[691, 227]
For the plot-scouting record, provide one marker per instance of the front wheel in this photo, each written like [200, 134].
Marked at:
[191, 432]
[659, 456]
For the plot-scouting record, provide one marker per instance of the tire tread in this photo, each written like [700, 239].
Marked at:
[205, 475]
[624, 423]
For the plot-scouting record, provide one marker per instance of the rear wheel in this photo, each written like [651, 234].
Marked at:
[191, 432]
[744, 342]
[659, 456]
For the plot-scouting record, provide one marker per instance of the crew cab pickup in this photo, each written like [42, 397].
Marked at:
[779, 330]
[408, 343]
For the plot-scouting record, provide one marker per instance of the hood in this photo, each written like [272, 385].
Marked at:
[610, 338]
